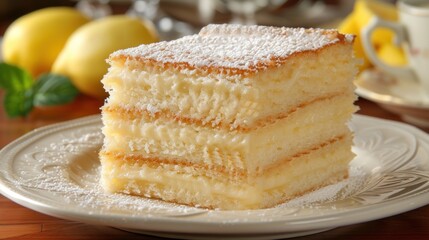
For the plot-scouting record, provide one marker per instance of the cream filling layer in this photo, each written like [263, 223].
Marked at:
[250, 150]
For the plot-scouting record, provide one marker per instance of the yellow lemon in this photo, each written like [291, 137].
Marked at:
[364, 10]
[83, 58]
[348, 25]
[34, 41]
[392, 55]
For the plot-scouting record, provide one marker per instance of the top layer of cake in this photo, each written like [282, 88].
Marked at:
[245, 49]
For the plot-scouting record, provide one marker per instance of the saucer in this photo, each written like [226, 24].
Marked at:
[403, 97]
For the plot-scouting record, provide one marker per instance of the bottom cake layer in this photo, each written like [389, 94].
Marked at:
[308, 171]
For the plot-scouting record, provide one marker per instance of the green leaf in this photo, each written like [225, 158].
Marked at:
[53, 89]
[18, 103]
[22, 93]
[13, 78]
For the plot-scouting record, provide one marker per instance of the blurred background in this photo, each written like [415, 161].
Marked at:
[182, 16]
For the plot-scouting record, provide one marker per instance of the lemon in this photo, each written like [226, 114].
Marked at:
[348, 25]
[34, 41]
[392, 55]
[83, 59]
[365, 10]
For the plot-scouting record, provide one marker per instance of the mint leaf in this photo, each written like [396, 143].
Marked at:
[18, 103]
[13, 78]
[18, 100]
[22, 93]
[53, 89]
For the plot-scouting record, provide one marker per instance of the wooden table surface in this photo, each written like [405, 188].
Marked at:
[17, 222]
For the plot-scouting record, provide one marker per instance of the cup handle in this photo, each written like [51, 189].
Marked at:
[403, 72]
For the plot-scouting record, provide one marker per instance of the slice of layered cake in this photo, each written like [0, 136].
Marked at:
[236, 117]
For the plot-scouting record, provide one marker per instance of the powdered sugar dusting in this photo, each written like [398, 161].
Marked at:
[331, 193]
[248, 48]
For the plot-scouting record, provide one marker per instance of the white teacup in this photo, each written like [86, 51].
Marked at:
[412, 32]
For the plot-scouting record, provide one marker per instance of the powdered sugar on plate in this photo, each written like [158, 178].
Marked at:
[331, 194]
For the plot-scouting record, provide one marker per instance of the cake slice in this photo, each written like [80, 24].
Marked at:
[235, 117]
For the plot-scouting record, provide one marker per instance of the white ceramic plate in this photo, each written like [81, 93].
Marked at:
[55, 170]
[401, 96]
